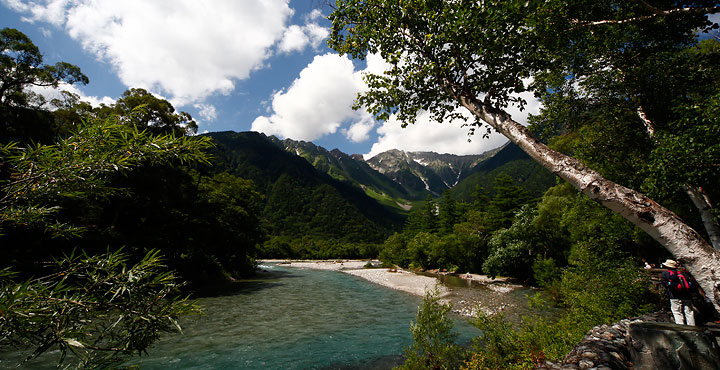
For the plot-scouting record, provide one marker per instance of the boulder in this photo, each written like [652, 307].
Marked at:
[667, 346]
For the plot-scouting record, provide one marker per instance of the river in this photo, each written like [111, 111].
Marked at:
[289, 318]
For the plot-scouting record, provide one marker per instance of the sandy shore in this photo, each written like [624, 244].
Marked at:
[401, 280]
[491, 298]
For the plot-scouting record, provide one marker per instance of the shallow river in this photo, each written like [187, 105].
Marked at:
[293, 319]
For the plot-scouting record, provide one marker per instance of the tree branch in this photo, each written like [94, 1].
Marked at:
[656, 14]
[649, 126]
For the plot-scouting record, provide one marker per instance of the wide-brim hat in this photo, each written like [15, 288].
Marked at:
[671, 263]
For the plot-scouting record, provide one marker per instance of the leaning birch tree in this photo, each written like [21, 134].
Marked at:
[448, 54]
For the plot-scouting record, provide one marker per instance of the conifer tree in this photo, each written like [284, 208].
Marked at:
[448, 216]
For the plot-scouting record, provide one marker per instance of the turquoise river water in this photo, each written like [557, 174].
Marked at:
[296, 319]
[291, 318]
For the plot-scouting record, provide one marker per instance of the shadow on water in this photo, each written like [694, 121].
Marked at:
[262, 280]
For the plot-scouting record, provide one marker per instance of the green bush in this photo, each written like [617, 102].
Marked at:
[594, 290]
[394, 251]
[600, 290]
[421, 249]
[433, 338]
[501, 346]
[511, 250]
[92, 312]
[545, 272]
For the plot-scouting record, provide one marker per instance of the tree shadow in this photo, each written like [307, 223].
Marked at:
[262, 280]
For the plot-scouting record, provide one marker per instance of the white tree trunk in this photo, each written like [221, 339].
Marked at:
[649, 127]
[663, 225]
[696, 194]
[702, 203]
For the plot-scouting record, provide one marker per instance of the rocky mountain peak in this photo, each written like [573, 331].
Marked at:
[338, 154]
[404, 174]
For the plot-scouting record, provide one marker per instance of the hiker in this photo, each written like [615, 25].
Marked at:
[646, 265]
[679, 286]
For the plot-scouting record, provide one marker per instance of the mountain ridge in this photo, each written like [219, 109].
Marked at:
[397, 179]
[413, 174]
[299, 199]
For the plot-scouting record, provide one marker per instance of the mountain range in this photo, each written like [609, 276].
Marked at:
[411, 176]
[309, 189]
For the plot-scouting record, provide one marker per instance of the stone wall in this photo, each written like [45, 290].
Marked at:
[664, 345]
[605, 347]
[643, 343]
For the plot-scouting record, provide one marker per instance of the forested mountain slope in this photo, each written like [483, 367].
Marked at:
[512, 161]
[400, 177]
[343, 167]
[299, 200]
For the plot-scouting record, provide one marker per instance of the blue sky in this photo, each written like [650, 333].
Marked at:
[260, 65]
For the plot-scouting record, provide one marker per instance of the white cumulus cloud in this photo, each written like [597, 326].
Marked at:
[50, 93]
[714, 18]
[206, 111]
[320, 101]
[297, 38]
[360, 130]
[50, 11]
[317, 103]
[184, 49]
[447, 137]
[294, 39]
[428, 135]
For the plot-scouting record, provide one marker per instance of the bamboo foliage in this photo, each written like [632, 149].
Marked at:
[93, 309]
[80, 165]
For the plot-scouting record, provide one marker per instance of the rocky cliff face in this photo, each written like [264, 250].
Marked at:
[414, 174]
[352, 169]
[397, 178]
[426, 171]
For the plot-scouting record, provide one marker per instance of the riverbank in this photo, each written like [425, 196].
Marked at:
[398, 279]
[466, 294]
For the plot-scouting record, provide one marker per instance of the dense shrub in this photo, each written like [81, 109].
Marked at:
[434, 345]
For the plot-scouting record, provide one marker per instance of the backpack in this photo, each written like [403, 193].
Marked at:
[679, 282]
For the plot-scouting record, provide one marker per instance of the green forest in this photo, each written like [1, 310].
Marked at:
[115, 213]
[108, 214]
[307, 214]
[111, 216]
